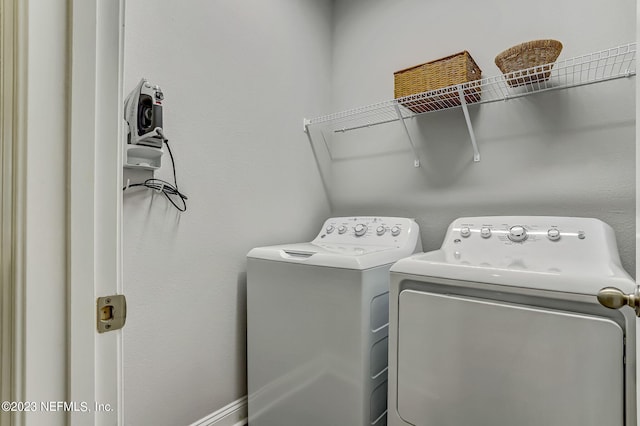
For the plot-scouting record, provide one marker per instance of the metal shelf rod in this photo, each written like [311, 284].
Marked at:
[347, 129]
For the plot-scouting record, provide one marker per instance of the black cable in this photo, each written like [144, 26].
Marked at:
[167, 189]
[173, 164]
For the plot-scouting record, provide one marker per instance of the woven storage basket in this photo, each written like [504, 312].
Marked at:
[455, 69]
[537, 53]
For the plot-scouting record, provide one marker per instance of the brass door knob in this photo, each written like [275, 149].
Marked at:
[614, 298]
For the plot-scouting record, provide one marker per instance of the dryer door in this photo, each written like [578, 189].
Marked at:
[464, 361]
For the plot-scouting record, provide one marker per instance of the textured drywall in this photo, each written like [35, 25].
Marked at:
[238, 78]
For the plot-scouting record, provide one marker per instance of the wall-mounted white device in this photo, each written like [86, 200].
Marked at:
[143, 113]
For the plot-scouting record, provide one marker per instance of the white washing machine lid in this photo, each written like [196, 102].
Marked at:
[361, 242]
[564, 254]
[336, 256]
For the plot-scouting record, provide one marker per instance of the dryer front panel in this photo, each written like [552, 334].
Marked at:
[464, 361]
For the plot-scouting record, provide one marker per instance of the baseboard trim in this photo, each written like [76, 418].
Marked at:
[234, 414]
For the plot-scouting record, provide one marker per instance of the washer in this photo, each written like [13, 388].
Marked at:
[501, 326]
[317, 323]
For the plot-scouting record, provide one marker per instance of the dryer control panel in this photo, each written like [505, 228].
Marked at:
[526, 241]
[369, 230]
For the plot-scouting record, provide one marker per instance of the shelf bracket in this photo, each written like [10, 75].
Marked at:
[463, 103]
[326, 144]
[315, 156]
[416, 159]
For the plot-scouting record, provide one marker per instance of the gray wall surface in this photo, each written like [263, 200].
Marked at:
[237, 77]
[565, 153]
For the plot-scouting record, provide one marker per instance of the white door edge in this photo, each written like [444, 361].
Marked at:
[95, 362]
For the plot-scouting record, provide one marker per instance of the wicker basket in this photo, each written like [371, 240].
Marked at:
[536, 54]
[455, 69]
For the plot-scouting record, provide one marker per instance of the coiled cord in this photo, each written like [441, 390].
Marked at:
[175, 197]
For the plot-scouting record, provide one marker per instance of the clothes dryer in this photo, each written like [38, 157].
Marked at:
[502, 326]
[317, 324]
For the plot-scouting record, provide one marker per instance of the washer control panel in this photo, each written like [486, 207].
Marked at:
[368, 230]
[524, 241]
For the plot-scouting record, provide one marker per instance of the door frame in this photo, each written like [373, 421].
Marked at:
[90, 185]
[12, 183]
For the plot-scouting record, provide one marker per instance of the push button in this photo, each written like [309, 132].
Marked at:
[553, 234]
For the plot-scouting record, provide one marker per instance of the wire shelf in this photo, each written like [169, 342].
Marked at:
[609, 64]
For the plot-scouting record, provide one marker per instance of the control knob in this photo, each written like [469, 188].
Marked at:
[553, 234]
[330, 229]
[485, 232]
[381, 230]
[517, 233]
[395, 231]
[360, 229]
[342, 229]
[465, 231]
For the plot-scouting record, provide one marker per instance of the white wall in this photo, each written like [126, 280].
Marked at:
[239, 76]
[238, 79]
[568, 153]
